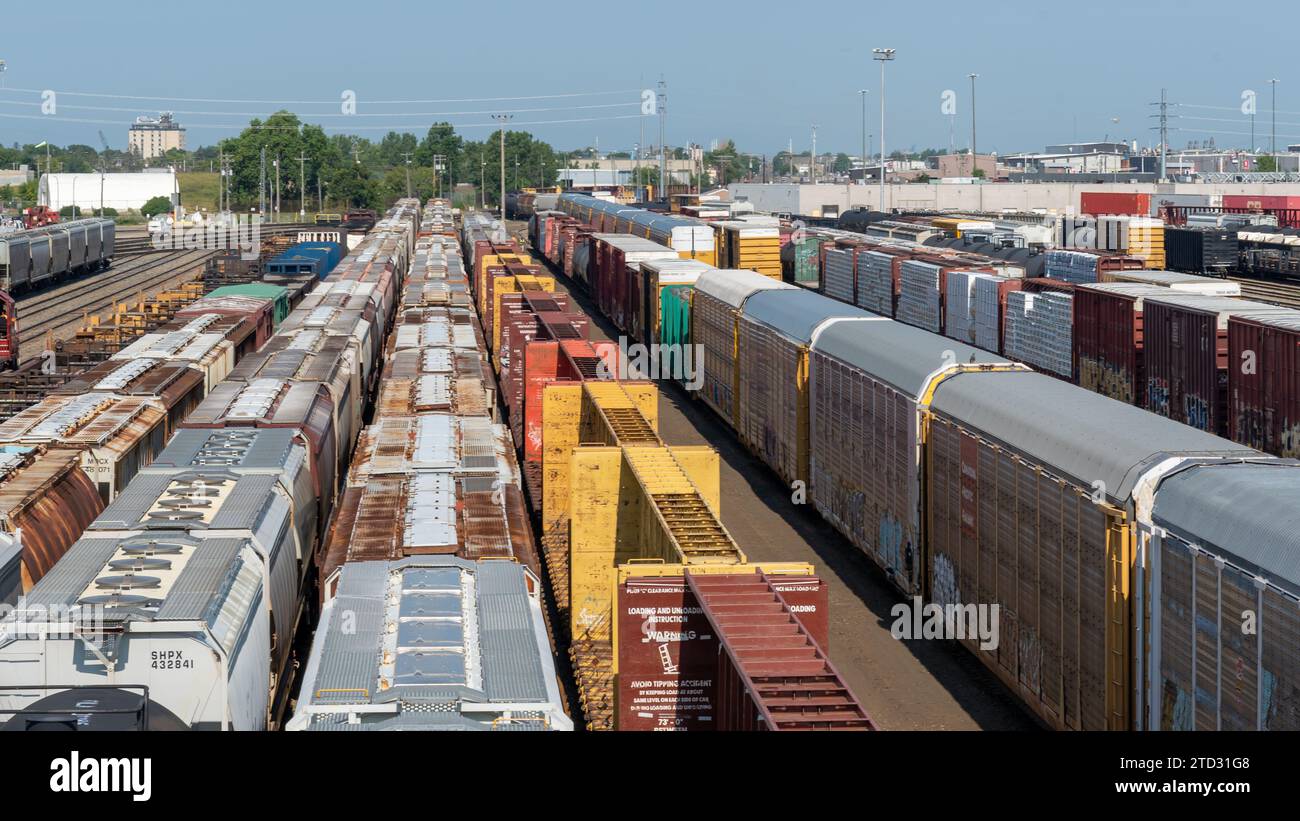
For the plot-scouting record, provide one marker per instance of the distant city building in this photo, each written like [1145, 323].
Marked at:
[152, 137]
[1105, 147]
[960, 165]
[15, 176]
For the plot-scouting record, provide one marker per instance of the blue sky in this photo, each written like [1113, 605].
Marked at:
[761, 74]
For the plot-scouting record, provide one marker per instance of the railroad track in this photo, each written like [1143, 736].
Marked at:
[1277, 292]
[135, 240]
[62, 310]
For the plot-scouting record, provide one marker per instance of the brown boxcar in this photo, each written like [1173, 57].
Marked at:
[1186, 354]
[775, 331]
[1033, 488]
[1224, 548]
[1108, 338]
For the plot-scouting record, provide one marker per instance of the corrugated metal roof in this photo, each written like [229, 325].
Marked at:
[733, 286]
[1078, 434]
[462, 639]
[256, 448]
[1249, 512]
[897, 354]
[797, 313]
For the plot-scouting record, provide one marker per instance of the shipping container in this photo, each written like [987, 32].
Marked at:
[315, 258]
[715, 314]
[1223, 548]
[1264, 381]
[776, 329]
[1109, 340]
[1258, 202]
[869, 385]
[1096, 203]
[1033, 487]
[46, 501]
[1186, 351]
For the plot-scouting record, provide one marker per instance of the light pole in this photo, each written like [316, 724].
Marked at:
[863, 92]
[503, 119]
[812, 160]
[974, 155]
[482, 184]
[1273, 150]
[883, 55]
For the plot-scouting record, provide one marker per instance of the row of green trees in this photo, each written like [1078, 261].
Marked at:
[347, 171]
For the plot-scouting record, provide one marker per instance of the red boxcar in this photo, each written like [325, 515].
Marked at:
[1264, 381]
[1186, 352]
[1108, 339]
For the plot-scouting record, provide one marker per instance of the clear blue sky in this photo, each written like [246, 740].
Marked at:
[755, 72]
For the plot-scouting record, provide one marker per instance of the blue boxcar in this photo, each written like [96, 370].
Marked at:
[318, 258]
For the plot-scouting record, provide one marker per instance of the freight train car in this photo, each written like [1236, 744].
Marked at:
[974, 481]
[432, 512]
[590, 436]
[36, 257]
[201, 566]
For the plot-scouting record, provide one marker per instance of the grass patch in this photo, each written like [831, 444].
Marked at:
[199, 189]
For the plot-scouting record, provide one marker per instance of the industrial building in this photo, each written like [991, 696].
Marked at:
[122, 191]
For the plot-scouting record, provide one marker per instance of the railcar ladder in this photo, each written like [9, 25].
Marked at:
[788, 680]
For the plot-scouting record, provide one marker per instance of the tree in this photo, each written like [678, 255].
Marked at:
[157, 205]
[979, 173]
[842, 163]
[70, 211]
[1265, 163]
[728, 163]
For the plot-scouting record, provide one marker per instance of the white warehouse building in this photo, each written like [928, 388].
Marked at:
[120, 191]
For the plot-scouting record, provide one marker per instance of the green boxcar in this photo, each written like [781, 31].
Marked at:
[675, 326]
[807, 259]
[260, 290]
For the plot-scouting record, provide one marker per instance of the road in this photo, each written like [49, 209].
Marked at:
[904, 685]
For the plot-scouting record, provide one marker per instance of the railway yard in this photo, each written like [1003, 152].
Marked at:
[602, 467]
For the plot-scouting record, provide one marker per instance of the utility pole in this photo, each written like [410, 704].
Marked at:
[439, 165]
[883, 55]
[277, 186]
[812, 159]
[663, 150]
[503, 119]
[482, 183]
[1273, 150]
[974, 155]
[407, 155]
[863, 92]
[261, 186]
[302, 185]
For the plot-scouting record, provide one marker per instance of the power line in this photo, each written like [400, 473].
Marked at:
[384, 114]
[320, 102]
[342, 128]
